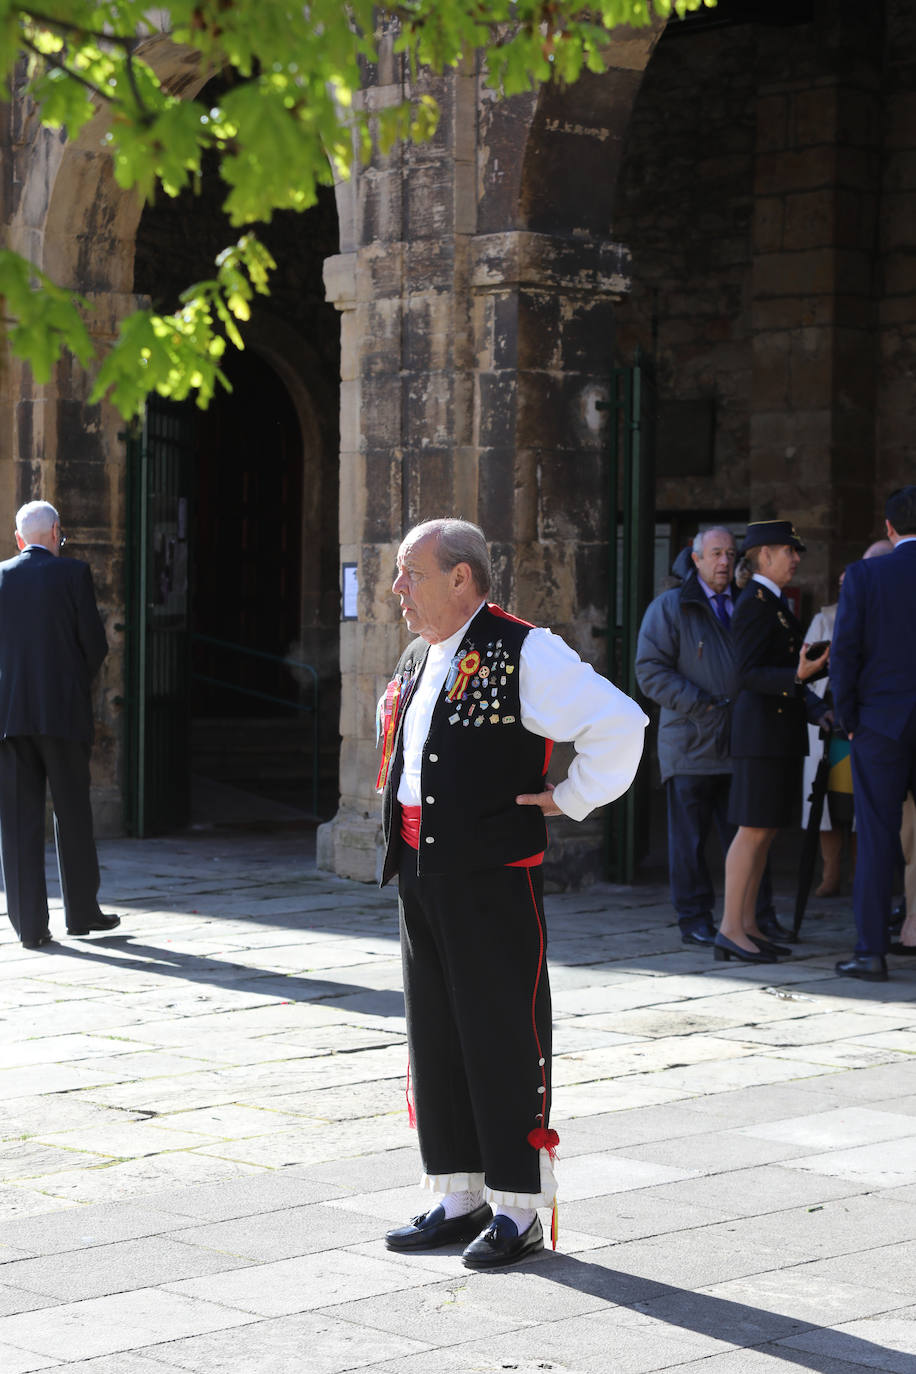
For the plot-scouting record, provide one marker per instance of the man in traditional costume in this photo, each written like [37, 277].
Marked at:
[468, 722]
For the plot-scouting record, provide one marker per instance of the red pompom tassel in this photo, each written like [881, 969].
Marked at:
[544, 1138]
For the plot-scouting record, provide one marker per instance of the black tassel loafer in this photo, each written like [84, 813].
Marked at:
[501, 1244]
[433, 1228]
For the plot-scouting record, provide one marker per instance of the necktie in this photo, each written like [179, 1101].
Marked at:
[721, 608]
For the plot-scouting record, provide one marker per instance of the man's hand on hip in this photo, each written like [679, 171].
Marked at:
[542, 799]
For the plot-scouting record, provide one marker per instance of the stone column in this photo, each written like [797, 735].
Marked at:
[472, 368]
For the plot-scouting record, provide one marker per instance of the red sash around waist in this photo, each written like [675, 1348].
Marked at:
[410, 834]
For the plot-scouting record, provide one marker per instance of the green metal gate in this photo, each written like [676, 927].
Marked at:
[159, 467]
[630, 540]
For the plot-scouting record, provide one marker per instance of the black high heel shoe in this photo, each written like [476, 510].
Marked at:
[724, 948]
[768, 947]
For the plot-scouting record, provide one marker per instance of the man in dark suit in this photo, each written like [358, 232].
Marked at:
[52, 643]
[873, 676]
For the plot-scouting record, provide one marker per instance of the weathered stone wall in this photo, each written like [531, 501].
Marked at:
[896, 267]
[684, 207]
[749, 196]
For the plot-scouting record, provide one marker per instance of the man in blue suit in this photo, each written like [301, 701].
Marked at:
[873, 677]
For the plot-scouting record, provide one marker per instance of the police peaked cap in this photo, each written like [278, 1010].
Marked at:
[771, 532]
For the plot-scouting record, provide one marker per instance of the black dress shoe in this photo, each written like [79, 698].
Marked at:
[898, 948]
[724, 948]
[100, 922]
[433, 1228]
[770, 929]
[698, 935]
[871, 967]
[501, 1243]
[780, 951]
[46, 939]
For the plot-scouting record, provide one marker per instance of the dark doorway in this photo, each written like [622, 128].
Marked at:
[247, 566]
[263, 545]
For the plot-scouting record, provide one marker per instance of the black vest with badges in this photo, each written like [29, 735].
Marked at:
[477, 757]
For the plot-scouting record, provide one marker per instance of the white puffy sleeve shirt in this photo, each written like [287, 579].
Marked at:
[563, 699]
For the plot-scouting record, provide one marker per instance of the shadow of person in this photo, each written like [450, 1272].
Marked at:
[767, 1332]
[120, 951]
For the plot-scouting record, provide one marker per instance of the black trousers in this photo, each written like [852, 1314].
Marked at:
[28, 764]
[883, 771]
[474, 948]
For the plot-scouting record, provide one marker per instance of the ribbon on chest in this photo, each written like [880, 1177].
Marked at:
[388, 713]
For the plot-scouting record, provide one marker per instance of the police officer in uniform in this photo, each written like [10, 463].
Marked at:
[769, 738]
[467, 723]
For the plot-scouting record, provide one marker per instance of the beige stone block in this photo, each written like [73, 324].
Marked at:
[353, 497]
[339, 279]
[351, 429]
[380, 271]
[350, 346]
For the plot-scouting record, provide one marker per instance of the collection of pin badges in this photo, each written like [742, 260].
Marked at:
[476, 685]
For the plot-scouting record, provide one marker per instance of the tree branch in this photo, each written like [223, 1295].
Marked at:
[47, 21]
[60, 66]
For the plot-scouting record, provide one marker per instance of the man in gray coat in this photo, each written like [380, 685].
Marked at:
[685, 663]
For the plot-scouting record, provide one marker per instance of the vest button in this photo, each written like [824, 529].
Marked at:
[430, 839]
[434, 758]
[430, 800]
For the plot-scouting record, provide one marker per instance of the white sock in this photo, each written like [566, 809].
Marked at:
[459, 1204]
[522, 1216]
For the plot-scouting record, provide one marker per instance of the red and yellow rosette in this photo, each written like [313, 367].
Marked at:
[467, 667]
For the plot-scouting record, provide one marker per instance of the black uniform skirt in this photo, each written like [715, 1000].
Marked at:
[766, 792]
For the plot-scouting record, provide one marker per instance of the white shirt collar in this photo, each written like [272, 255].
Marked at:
[905, 539]
[711, 591]
[777, 591]
[446, 647]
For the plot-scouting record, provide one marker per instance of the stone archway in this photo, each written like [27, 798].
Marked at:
[76, 224]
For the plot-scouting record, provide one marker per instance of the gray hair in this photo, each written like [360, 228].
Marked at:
[35, 518]
[457, 541]
[700, 536]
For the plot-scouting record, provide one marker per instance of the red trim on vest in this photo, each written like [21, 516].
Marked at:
[504, 615]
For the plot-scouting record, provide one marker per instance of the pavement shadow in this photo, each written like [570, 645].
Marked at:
[719, 1318]
[195, 968]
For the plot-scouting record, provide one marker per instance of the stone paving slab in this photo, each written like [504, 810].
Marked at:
[203, 1137]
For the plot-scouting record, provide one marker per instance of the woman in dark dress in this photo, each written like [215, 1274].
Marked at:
[769, 738]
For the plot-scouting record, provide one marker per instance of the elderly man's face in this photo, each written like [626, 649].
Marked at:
[716, 564]
[425, 591]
